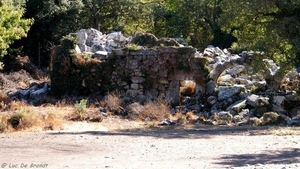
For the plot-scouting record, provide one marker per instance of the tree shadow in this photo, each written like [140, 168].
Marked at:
[180, 132]
[285, 156]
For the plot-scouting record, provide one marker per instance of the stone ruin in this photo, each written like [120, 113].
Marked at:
[141, 74]
[212, 83]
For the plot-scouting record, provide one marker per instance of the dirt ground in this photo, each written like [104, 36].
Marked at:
[121, 144]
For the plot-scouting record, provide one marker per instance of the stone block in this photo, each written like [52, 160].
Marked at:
[137, 79]
[132, 64]
[134, 86]
[229, 91]
[132, 93]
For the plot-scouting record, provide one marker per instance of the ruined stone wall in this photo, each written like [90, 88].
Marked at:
[157, 73]
[142, 75]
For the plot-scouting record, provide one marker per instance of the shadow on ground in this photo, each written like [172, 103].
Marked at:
[285, 156]
[191, 132]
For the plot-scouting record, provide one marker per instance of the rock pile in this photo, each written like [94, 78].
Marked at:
[98, 44]
[95, 42]
[235, 97]
[33, 95]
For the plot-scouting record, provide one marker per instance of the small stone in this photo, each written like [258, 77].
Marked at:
[134, 86]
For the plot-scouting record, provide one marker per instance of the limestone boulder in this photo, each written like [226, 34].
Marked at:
[225, 92]
[236, 107]
[225, 117]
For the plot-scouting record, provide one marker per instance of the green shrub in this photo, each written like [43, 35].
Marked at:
[132, 47]
[256, 89]
[145, 39]
[68, 43]
[80, 108]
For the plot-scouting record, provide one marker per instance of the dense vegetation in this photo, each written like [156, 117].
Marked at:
[271, 26]
[12, 26]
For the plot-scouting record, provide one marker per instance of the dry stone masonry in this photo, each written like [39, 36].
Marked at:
[158, 69]
[212, 84]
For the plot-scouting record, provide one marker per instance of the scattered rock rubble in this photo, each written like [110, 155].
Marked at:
[231, 97]
[94, 42]
[98, 44]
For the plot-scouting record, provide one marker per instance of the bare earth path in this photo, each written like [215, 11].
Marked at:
[203, 147]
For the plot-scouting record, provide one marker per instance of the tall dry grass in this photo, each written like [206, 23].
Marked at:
[21, 116]
[114, 103]
[157, 110]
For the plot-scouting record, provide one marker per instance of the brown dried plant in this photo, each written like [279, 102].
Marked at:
[158, 110]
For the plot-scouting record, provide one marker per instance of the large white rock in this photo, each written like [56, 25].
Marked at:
[92, 41]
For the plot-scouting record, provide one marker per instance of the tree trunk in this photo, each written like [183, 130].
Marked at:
[96, 23]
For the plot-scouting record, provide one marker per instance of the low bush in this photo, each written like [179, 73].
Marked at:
[132, 47]
[80, 109]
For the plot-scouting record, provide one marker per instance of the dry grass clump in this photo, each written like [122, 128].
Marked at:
[158, 110]
[284, 131]
[82, 113]
[188, 118]
[52, 117]
[187, 88]
[81, 59]
[3, 122]
[114, 102]
[4, 101]
[25, 118]
[192, 117]
[180, 117]
[21, 116]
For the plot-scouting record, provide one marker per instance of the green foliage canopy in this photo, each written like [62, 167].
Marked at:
[197, 21]
[268, 26]
[12, 25]
[53, 20]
